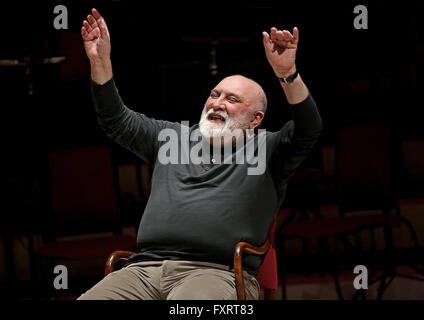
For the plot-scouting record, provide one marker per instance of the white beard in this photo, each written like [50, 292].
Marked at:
[221, 134]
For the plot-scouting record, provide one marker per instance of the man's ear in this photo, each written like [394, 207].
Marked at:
[259, 115]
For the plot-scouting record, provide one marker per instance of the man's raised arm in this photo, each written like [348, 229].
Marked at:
[130, 129]
[97, 47]
[280, 49]
[305, 127]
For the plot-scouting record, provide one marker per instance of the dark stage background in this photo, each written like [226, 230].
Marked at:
[161, 59]
[161, 55]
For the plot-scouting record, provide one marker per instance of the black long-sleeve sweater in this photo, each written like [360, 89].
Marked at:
[200, 211]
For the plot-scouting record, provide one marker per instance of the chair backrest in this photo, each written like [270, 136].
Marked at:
[267, 274]
[412, 168]
[364, 168]
[83, 189]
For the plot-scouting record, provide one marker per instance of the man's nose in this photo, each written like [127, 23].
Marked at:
[218, 104]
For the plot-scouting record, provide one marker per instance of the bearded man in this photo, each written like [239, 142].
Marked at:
[198, 210]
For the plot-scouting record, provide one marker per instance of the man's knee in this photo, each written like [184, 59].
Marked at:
[124, 284]
[106, 289]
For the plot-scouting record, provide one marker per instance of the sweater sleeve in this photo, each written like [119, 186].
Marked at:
[130, 129]
[293, 143]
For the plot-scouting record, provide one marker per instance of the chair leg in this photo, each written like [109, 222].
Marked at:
[337, 285]
[40, 279]
[382, 286]
[269, 294]
[360, 292]
[412, 231]
[283, 286]
[282, 273]
[44, 279]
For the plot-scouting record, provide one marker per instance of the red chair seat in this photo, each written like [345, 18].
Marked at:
[87, 248]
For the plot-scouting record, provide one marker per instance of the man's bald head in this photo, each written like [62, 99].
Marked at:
[251, 89]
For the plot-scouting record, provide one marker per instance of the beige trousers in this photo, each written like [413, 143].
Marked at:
[171, 280]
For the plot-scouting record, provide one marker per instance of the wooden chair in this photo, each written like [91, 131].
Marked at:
[267, 275]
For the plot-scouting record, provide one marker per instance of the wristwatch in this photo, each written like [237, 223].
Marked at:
[289, 79]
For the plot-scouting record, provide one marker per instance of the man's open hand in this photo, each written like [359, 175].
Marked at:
[96, 37]
[280, 49]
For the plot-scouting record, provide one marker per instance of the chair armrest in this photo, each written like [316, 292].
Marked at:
[114, 257]
[238, 263]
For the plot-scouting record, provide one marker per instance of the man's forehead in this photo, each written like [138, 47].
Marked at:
[236, 84]
[235, 81]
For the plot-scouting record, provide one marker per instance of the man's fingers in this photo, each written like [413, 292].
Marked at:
[295, 35]
[87, 26]
[103, 27]
[92, 21]
[284, 35]
[94, 26]
[279, 35]
[84, 32]
[96, 14]
[283, 39]
[88, 36]
[267, 41]
[287, 35]
[87, 32]
[100, 22]
[273, 32]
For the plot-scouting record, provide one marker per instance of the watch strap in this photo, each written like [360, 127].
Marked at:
[289, 79]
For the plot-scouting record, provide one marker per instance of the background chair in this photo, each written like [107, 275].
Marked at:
[267, 274]
[411, 190]
[134, 190]
[412, 176]
[84, 223]
[365, 162]
[368, 168]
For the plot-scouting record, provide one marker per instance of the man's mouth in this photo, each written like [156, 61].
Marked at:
[216, 118]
